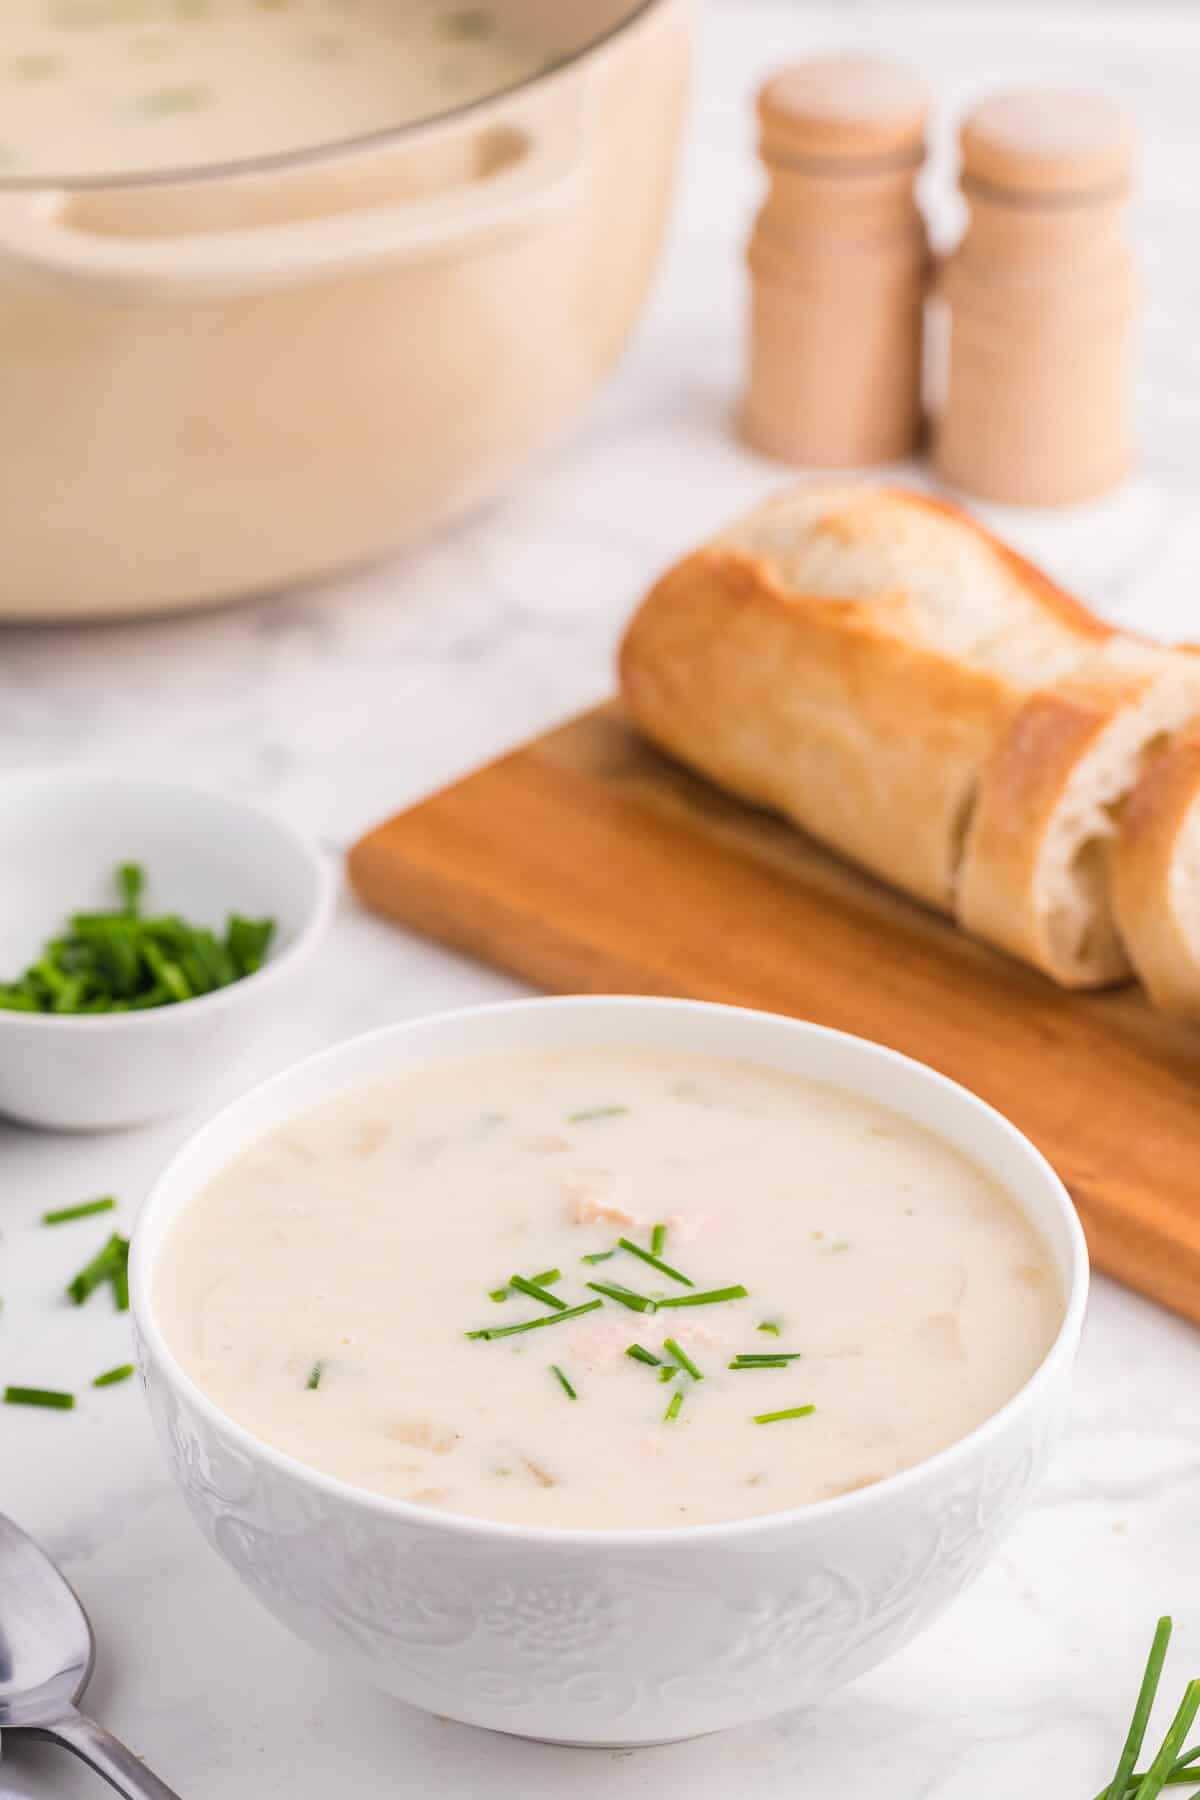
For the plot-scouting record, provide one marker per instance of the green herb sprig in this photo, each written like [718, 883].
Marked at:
[30, 1396]
[110, 1264]
[554, 1318]
[111, 1377]
[639, 1303]
[563, 1383]
[122, 961]
[647, 1256]
[683, 1359]
[712, 1298]
[85, 1210]
[1172, 1766]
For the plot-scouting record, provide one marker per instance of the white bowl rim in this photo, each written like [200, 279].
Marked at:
[301, 946]
[816, 1512]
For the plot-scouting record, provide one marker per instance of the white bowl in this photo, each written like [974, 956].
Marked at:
[608, 1637]
[62, 834]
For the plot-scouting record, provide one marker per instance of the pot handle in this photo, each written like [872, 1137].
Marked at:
[538, 156]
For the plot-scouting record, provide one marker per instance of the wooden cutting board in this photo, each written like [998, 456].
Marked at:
[588, 864]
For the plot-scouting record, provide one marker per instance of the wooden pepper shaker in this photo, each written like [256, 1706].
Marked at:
[838, 260]
[1040, 299]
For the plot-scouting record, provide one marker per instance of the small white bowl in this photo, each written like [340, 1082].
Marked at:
[62, 834]
[609, 1637]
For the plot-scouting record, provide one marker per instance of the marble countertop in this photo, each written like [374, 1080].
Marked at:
[339, 704]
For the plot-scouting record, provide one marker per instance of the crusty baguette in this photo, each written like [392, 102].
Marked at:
[850, 657]
[1156, 876]
[1036, 875]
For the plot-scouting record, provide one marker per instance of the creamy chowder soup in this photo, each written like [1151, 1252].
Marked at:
[836, 1294]
[93, 87]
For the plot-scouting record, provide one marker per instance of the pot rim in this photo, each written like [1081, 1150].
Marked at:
[1055, 1365]
[284, 160]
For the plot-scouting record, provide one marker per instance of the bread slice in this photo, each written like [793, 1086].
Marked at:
[1037, 866]
[1156, 876]
[850, 657]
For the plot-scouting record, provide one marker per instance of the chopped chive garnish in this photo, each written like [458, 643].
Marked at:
[647, 1257]
[84, 1211]
[111, 1377]
[769, 1358]
[554, 1318]
[760, 1362]
[658, 1239]
[131, 881]
[624, 1296]
[110, 1264]
[121, 960]
[545, 1279]
[27, 1396]
[669, 1372]
[789, 1412]
[674, 1405]
[535, 1291]
[563, 1383]
[644, 1356]
[1141, 1710]
[769, 1325]
[596, 1112]
[598, 1256]
[314, 1375]
[709, 1299]
[683, 1359]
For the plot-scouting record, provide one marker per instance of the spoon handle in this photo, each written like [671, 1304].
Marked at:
[109, 1757]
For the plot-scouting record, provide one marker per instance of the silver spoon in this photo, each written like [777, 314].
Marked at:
[46, 1656]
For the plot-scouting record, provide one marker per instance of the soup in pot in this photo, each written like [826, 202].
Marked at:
[606, 1288]
[110, 87]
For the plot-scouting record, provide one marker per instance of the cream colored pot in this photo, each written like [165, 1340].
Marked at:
[216, 386]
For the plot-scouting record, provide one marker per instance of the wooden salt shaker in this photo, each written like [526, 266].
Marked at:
[1040, 297]
[838, 260]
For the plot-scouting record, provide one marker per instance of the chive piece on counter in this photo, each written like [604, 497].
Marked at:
[547, 1278]
[658, 1240]
[111, 1377]
[769, 1326]
[27, 1396]
[676, 1402]
[789, 1412]
[65, 1214]
[110, 1264]
[554, 1318]
[770, 1359]
[536, 1292]
[1158, 1774]
[598, 1256]
[563, 1383]
[314, 1375]
[644, 1356]
[596, 1112]
[120, 1283]
[668, 1372]
[761, 1362]
[683, 1359]
[709, 1299]
[1142, 1710]
[498, 1294]
[647, 1257]
[640, 1303]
